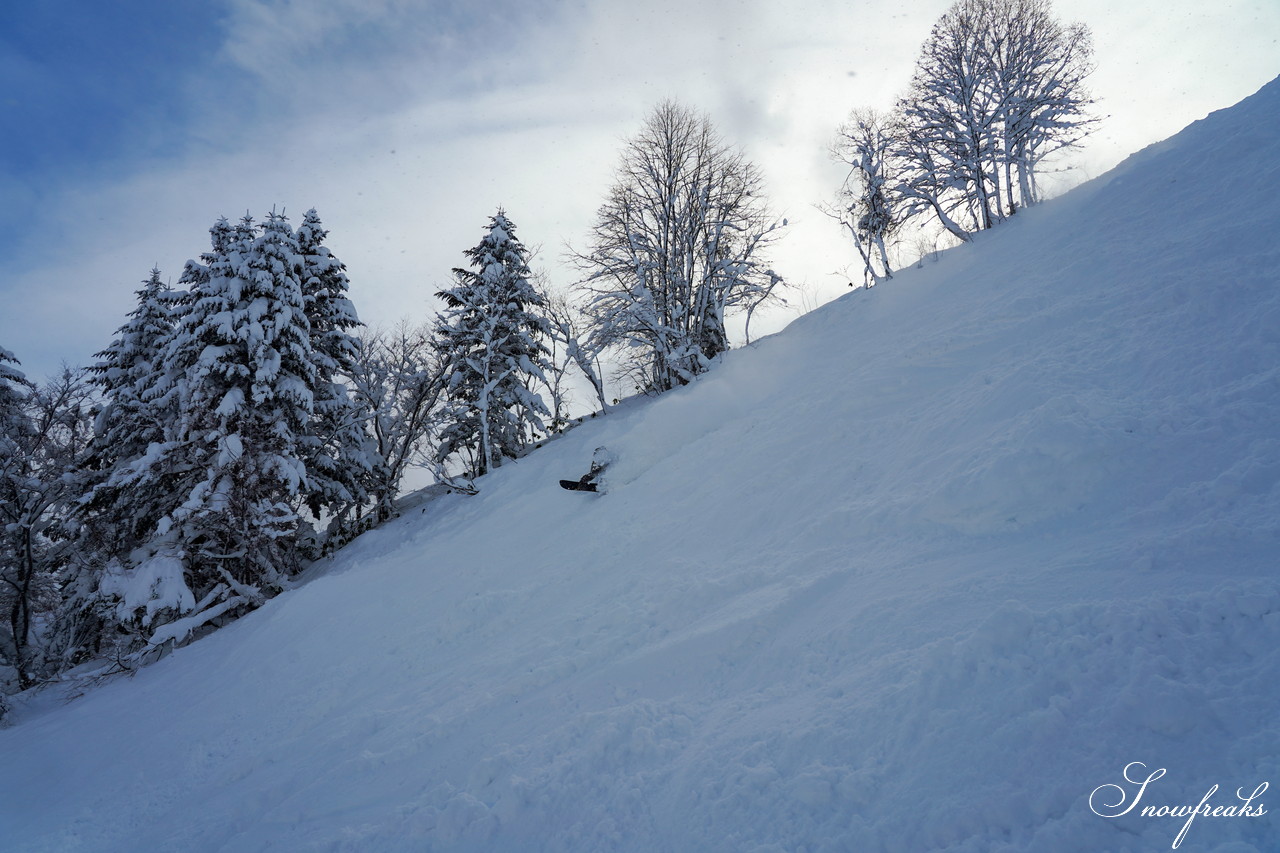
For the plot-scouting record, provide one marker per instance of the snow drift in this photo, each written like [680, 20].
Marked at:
[926, 571]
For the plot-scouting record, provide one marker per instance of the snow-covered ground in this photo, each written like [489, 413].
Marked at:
[923, 572]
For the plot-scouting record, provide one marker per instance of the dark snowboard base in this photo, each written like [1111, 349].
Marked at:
[578, 486]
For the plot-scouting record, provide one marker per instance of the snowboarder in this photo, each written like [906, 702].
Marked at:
[590, 481]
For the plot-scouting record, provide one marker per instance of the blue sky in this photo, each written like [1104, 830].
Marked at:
[90, 83]
[93, 90]
[131, 126]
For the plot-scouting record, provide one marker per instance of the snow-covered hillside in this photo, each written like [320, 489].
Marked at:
[922, 572]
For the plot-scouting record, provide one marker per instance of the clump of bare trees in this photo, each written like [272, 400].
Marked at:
[998, 89]
[44, 429]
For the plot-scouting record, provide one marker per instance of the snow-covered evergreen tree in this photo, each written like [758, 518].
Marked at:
[490, 339]
[338, 451]
[229, 473]
[126, 370]
[14, 387]
[128, 421]
[143, 483]
[245, 347]
[16, 430]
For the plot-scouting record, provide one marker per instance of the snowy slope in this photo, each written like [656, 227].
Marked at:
[920, 573]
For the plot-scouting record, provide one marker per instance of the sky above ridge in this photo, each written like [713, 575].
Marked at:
[130, 127]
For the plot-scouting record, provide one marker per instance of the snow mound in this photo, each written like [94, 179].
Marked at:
[920, 573]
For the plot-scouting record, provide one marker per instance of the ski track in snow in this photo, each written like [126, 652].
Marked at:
[919, 573]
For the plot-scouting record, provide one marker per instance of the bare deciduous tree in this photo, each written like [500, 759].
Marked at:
[400, 378]
[571, 338]
[679, 242]
[46, 431]
[865, 204]
[1040, 66]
